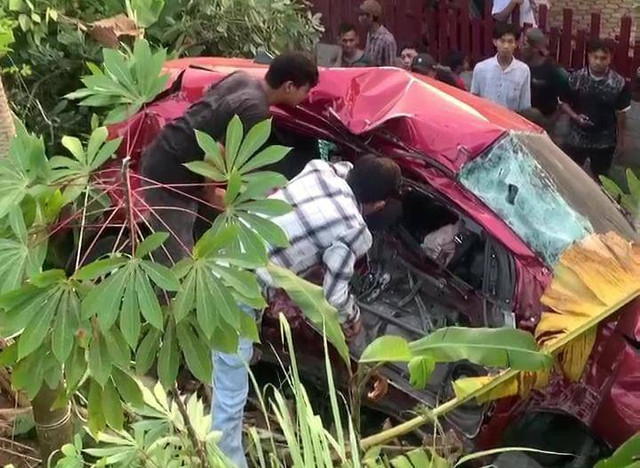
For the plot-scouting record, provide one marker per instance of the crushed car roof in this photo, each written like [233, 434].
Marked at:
[448, 125]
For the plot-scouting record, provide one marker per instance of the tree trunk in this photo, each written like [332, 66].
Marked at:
[54, 426]
[7, 128]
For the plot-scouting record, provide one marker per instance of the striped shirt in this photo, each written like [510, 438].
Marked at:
[325, 227]
[381, 47]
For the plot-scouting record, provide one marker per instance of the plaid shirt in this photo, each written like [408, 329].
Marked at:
[326, 227]
[381, 47]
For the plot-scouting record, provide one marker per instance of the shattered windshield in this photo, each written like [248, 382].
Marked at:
[545, 198]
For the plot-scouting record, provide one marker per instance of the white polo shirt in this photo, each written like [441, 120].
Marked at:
[510, 88]
[526, 11]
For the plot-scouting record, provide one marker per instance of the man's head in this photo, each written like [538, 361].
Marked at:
[290, 78]
[424, 64]
[374, 180]
[456, 61]
[348, 38]
[370, 13]
[505, 38]
[600, 54]
[408, 53]
[535, 44]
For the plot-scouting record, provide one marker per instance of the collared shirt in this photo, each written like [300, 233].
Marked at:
[526, 11]
[361, 60]
[324, 227]
[601, 99]
[382, 47]
[510, 88]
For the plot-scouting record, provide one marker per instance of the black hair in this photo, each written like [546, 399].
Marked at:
[296, 67]
[346, 27]
[412, 45]
[374, 179]
[503, 29]
[596, 45]
[454, 60]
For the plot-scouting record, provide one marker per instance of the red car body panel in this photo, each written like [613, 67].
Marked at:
[406, 115]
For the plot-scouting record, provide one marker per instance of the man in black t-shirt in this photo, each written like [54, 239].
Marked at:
[596, 100]
[286, 83]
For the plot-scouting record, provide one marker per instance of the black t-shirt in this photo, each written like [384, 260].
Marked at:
[546, 87]
[238, 94]
[600, 99]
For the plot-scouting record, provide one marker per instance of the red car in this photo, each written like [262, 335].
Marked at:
[491, 191]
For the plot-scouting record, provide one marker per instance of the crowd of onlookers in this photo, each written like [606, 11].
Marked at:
[593, 99]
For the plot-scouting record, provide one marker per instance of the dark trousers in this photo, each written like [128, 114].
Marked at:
[600, 158]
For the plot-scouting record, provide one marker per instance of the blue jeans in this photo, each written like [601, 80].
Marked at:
[230, 390]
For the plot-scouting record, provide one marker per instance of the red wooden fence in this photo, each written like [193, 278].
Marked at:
[451, 28]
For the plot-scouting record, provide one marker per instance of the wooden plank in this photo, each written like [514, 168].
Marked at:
[443, 32]
[554, 42]
[595, 26]
[543, 15]
[465, 27]
[476, 40]
[579, 54]
[487, 26]
[622, 61]
[515, 15]
[635, 63]
[565, 40]
[432, 31]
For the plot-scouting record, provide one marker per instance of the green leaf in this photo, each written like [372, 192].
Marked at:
[118, 349]
[420, 370]
[37, 329]
[233, 188]
[151, 243]
[214, 301]
[225, 339]
[249, 328]
[634, 187]
[255, 139]
[168, 358]
[64, 328]
[146, 354]
[48, 278]
[105, 153]
[311, 300]
[75, 368]
[501, 347]
[196, 353]
[266, 229]
[266, 207]
[626, 455]
[185, 299]
[75, 148]
[96, 140]
[388, 348]
[99, 360]
[211, 150]
[111, 407]
[149, 305]
[233, 139]
[130, 317]
[266, 157]
[207, 170]
[9, 355]
[128, 388]
[161, 275]
[99, 268]
[253, 245]
[97, 421]
[212, 242]
[16, 220]
[242, 281]
[260, 184]
[116, 67]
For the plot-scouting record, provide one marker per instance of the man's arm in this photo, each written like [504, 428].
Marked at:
[476, 82]
[525, 93]
[505, 13]
[340, 260]
[622, 106]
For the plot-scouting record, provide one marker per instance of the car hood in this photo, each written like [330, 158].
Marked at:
[435, 120]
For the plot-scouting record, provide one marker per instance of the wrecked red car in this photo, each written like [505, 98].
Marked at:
[489, 204]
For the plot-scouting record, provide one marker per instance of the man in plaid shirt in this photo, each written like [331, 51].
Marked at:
[326, 226]
[381, 45]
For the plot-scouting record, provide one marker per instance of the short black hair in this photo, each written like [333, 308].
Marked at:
[374, 179]
[454, 60]
[595, 45]
[503, 29]
[412, 45]
[345, 28]
[297, 67]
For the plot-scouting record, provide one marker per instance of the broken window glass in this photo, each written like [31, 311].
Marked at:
[511, 181]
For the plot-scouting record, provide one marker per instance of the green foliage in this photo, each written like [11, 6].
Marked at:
[627, 455]
[630, 200]
[126, 83]
[501, 347]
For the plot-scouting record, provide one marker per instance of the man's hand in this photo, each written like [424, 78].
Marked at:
[583, 120]
[352, 327]
[215, 196]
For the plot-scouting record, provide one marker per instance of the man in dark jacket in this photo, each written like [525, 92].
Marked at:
[286, 83]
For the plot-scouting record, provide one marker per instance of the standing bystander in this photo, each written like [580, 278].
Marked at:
[351, 55]
[504, 79]
[381, 45]
[596, 100]
[502, 10]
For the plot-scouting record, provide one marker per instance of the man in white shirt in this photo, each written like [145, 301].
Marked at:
[502, 10]
[504, 79]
